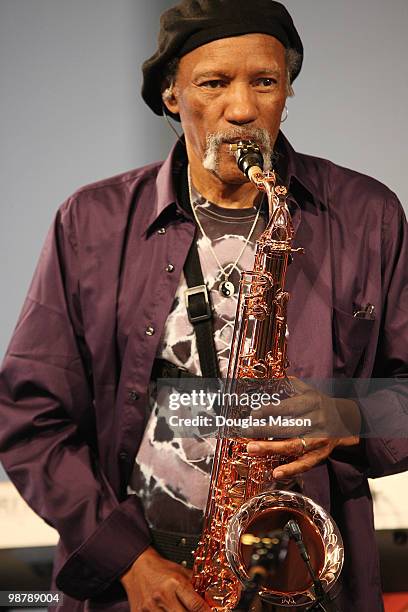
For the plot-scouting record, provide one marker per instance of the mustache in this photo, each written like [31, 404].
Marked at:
[258, 135]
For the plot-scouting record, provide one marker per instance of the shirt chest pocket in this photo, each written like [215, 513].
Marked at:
[351, 336]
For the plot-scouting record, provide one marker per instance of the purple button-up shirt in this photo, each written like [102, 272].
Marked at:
[73, 388]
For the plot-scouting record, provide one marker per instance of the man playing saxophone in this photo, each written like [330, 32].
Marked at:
[81, 435]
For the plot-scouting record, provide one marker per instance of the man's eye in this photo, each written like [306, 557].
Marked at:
[266, 82]
[213, 84]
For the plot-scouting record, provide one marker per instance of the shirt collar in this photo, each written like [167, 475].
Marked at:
[290, 168]
[166, 204]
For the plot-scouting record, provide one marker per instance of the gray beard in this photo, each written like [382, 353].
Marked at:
[260, 136]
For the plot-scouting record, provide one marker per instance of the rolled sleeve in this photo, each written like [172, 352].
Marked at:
[107, 553]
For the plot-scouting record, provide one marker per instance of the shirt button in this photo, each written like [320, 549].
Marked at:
[183, 541]
[161, 231]
[184, 563]
[132, 395]
[169, 268]
[123, 455]
[150, 331]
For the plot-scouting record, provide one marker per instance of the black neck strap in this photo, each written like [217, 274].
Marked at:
[197, 296]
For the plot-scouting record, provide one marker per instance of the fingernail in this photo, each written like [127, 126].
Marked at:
[278, 474]
[253, 448]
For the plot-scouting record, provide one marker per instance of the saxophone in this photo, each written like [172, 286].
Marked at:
[247, 512]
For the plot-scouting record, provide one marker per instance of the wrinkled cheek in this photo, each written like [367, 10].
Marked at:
[194, 128]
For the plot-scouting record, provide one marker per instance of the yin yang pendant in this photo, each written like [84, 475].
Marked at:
[227, 288]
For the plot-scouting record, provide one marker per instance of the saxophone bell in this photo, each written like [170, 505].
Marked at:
[287, 581]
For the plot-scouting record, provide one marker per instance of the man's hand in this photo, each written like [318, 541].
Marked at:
[154, 584]
[335, 422]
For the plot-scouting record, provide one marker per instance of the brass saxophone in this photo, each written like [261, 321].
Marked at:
[245, 506]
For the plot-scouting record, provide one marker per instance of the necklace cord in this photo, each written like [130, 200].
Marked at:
[212, 250]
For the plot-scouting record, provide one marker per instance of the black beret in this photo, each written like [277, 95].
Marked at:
[193, 23]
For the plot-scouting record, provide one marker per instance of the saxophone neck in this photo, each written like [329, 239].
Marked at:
[250, 161]
[280, 227]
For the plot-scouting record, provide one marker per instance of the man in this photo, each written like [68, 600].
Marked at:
[106, 300]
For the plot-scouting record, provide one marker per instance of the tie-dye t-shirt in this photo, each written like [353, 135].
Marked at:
[171, 475]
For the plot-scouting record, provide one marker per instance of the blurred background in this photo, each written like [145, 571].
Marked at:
[71, 113]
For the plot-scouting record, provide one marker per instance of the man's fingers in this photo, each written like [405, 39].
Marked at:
[170, 603]
[190, 599]
[299, 385]
[309, 454]
[303, 464]
[289, 448]
[298, 404]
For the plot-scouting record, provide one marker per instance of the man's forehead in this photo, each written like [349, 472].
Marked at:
[254, 52]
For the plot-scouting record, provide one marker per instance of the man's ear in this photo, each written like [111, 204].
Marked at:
[169, 98]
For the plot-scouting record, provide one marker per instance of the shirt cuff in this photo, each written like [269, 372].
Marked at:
[107, 553]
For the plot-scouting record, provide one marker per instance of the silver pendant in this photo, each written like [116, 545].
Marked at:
[226, 288]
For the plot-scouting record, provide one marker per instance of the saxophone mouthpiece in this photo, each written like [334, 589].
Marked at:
[249, 159]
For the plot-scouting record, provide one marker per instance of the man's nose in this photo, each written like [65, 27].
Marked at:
[241, 106]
